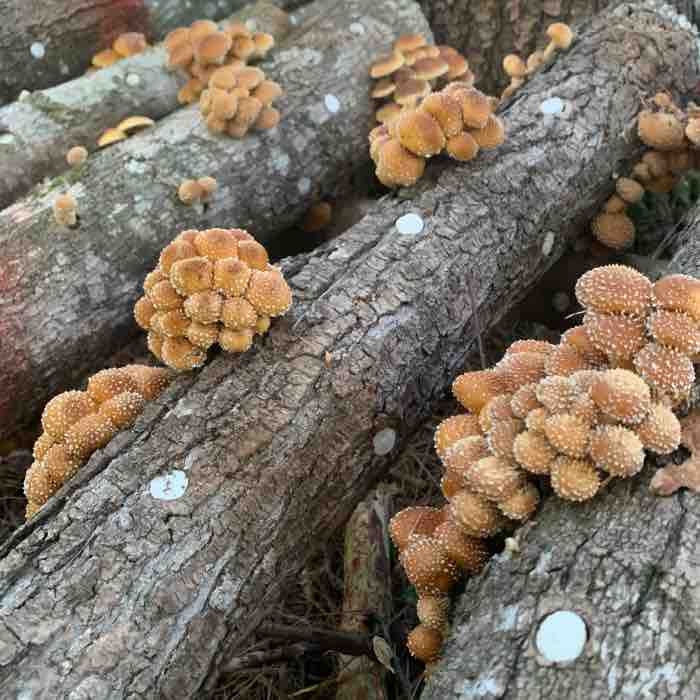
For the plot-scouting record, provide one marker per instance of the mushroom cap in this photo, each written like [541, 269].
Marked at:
[88, 434]
[231, 277]
[536, 419]
[208, 184]
[250, 77]
[123, 409]
[177, 250]
[464, 453]
[248, 111]
[615, 231]
[496, 409]
[203, 335]
[108, 383]
[692, 131]
[577, 337]
[189, 191]
[172, 324]
[660, 130]
[475, 515]
[656, 163]
[234, 29]
[410, 91]
[243, 47]
[462, 147]
[180, 55]
[533, 452]
[428, 566]
[469, 553]
[568, 434]
[223, 105]
[618, 336]
[457, 65]
[419, 132]
[181, 355]
[451, 483]
[521, 504]
[383, 88]
[76, 156]
[134, 123]
[397, 165]
[262, 325]
[192, 275]
[679, 162]
[179, 35]
[105, 58]
[317, 217]
[424, 643]
[675, 329]
[212, 48]
[520, 368]
[42, 445]
[268, 118]
[190, 91]
[667, 371]
[224, 78]
[236, 341]
[201, 28]
[432, 610]
[493, 133]
[530, 345]
[615, 205]
[151, 381]
[614, 289]
[660, 431]
[263, 43]
[37, 484]
[514, 66]
[414, 520]
[524, 400]
[238, 313]
[60, 466]
[269, 293]
[387, 113]
[476, 107]
[204, 307]
[560, 34]
[164, 296]
[501, 436]
[409, 42]
[386, 65]
[430, 68]
[474, 389]
[216, 244]
[678, 293]
[494, 478]
[65, 203]
[267, 91]
[617, 450]
[64, 411]
[154, 343]
[622, 395]
[574, 479]
[557, 393]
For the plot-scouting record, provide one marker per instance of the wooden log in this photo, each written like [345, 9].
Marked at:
[111, 592]
[46, 42]
[487, 30]
[66, 296]
[37, 130]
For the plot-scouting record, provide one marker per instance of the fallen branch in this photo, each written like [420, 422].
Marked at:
[66, 296]
[258, 659]
[110, 591]
[37, 130]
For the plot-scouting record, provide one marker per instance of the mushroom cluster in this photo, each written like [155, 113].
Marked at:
[212, 286]
[125, 45]
[238, 99]
[76, 423]
[411, 71]
[123, 130]
[582, 412]
[560, 37]
[674, 139]
[458, 120]
[202, 47]
[191, 191]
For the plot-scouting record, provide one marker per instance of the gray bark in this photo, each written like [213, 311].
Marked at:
[72, 31]
[486, 30]
[67, 295]
[111, 593]
[37, 131]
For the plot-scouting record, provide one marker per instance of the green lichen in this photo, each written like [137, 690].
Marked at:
[56, 111]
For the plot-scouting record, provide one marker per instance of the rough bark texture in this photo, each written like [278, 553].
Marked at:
[486, 30]
[72, 31]
[112, 593]
[37, 131]
[66, 296]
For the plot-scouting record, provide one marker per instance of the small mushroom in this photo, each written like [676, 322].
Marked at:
[76, 156]
[560, 36]
[65, 210]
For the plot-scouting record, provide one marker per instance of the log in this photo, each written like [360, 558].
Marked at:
[37, 130]
[66, 34]
[66, 296]
[110, 592]
[486, 30]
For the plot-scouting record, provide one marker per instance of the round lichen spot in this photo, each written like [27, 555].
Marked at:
[332, 103]
[561, 637]
[410, 224]
[169, 487]
[552, 105]
[38, 50]
[384, 441]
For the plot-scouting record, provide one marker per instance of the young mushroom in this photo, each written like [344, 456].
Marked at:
[65, 210]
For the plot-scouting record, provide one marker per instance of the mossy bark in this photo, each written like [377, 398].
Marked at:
[112, 593]
[66, 295]
[487, 30]
[37, 131]
[70, 32]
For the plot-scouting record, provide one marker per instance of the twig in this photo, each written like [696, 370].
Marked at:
[255, 659]
[327, 640]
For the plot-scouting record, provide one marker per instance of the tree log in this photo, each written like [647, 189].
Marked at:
[67, 33]
[66, 296]
[487, 30]
[109, 592]
[37, 131]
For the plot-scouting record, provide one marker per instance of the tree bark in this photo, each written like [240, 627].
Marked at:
[112, 593]
[487, 30]
[70, 32]
[37, 131]
[66, 296]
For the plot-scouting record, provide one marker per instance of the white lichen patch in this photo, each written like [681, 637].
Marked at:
[482, 688]
[280, 161]
[6, 139]
[548, 243]
[38, 50]
[252, 24]
[357, 28]
[552, 105]
[561, 637]
[384, 441]
[304, 185]
[169, 487]
[410, 224]
[332, 103]
[132, 79]
[508, 618]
